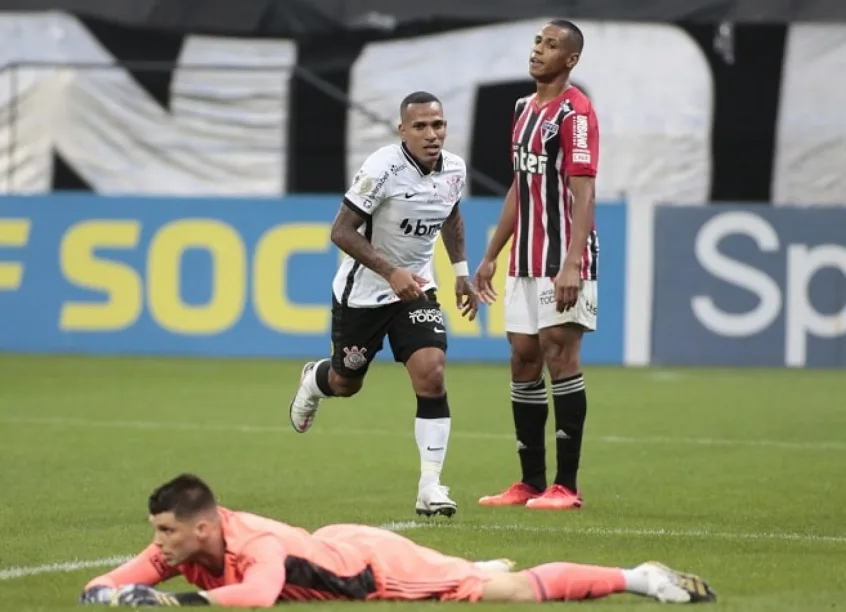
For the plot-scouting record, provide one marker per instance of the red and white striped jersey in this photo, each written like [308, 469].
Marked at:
[550, 144]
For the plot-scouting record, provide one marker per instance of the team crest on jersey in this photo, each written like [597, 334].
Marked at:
[548, 130]
[355, 358]
[454, 186]
[566, 109]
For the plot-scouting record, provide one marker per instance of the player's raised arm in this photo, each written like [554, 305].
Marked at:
[504, 230]
[148, 568]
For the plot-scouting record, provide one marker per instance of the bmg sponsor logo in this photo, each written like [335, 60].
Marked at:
[421, 227]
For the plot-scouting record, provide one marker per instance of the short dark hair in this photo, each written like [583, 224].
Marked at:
[186, 496]
[418, 97]
[573, 32]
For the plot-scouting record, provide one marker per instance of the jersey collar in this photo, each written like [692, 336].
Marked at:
[423, 170]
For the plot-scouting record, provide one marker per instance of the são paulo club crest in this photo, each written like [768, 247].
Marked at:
[548, 130]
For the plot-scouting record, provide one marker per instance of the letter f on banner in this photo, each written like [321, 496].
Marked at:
[14, 233]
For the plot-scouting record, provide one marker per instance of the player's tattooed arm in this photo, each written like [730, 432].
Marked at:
[452, 232]
[346, 237]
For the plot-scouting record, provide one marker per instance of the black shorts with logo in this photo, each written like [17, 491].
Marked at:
[358, 333]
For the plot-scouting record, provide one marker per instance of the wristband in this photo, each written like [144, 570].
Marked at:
[461, 269]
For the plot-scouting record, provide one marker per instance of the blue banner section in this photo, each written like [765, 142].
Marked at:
[226, 277]
[750, 286]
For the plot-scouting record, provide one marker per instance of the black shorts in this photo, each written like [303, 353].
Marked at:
[358, 333]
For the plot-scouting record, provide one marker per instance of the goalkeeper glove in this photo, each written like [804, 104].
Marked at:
[137, 595]
[97, 595]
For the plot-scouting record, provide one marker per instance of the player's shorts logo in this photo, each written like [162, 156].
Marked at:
[547, 297]
[354, 357]
[426, 315]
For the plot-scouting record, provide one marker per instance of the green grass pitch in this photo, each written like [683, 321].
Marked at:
[738, 475]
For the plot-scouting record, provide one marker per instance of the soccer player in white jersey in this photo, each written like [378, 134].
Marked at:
[402, 198]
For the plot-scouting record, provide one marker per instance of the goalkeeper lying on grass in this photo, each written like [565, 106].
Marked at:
[244, 560]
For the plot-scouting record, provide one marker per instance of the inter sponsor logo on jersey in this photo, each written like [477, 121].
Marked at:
[526, 161]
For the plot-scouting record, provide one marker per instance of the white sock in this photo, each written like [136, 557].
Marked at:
[310, 381]
[636, 581]
[432, 436]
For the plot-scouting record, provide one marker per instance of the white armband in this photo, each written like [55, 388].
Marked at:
[461, 269]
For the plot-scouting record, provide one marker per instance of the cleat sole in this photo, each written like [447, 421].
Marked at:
[447, 511]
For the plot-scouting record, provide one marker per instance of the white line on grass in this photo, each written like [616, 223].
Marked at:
[666, 376]
[54, 568]
[73, 566]
[624, 532]
[468, 435]
[820, 445]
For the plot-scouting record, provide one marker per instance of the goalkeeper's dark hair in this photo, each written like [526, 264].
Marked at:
[186, 496]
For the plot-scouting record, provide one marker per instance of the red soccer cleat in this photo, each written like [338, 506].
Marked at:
[517, 494]
[556, 497]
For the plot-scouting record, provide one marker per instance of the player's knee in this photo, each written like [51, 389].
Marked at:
[514, 588]
[526, 358]
[561, 347]
[562, 363]
[523, 368]
[431, 382]
[523, 592]
[427, 370]
[344, 387]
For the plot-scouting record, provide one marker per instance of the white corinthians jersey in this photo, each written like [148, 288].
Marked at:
[404, 206]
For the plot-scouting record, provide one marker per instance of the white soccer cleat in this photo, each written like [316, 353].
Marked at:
[669, 586]
[496, 565]
[434, 500]
[304, 406]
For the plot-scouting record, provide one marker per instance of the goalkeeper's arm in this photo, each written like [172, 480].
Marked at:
[148, 568]
[260, 586]
[263, 579]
